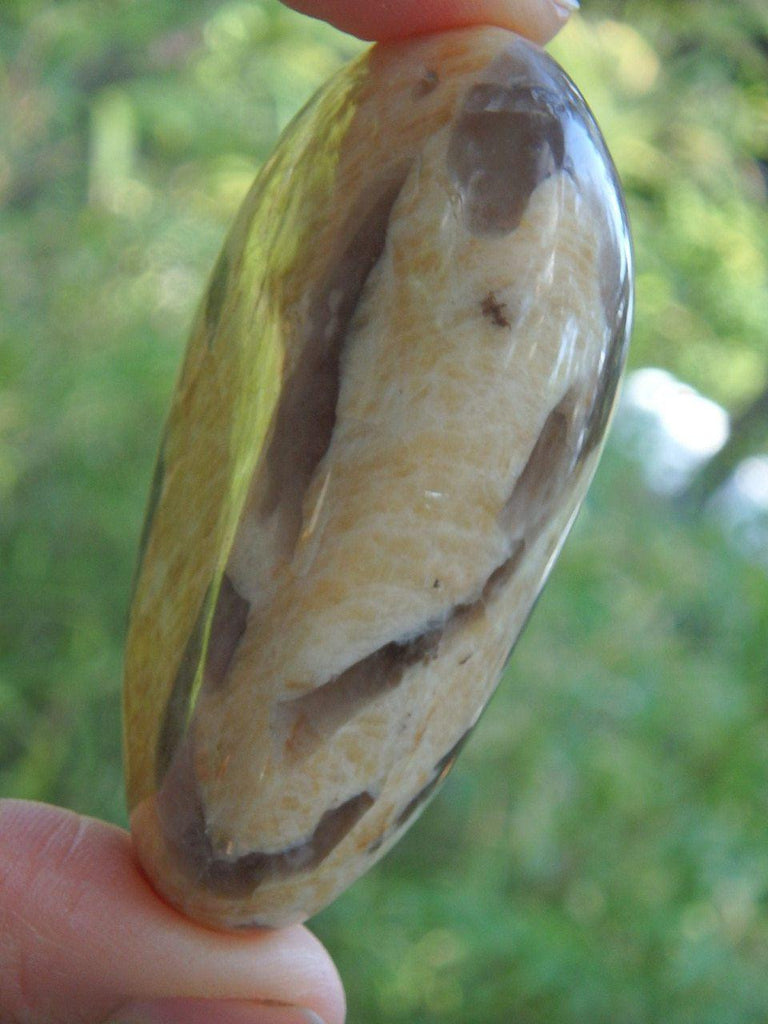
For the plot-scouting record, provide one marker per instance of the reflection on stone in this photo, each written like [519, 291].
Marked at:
[230, 617]
[217, 291]
[174, 714]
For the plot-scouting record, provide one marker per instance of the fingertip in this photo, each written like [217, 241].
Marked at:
[537, 20]
[80, 920]
[203, 1011]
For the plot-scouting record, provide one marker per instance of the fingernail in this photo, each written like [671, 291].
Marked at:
[566, 7]
[210, 1011]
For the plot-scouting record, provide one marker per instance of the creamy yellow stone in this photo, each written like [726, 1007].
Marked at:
[393, 402]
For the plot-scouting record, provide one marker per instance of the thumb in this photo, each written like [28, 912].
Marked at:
[83, 936]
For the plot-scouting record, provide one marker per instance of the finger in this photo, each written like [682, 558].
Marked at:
[538, 20]
[82, 933]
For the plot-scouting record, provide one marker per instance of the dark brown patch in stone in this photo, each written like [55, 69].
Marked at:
[306, 413]
[217, 292]
[228, 625]
[185, 829]
[494, 310]
[501, 575]
[463, 615]
[439, 775]
[153, 501]
[302, 724]
[541, 482]
[428, 82]
[230, 618]
[313, 718]
[506, 140]
[175, 716]
[420, 800]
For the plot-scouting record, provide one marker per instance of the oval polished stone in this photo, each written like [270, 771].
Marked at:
[394, 398]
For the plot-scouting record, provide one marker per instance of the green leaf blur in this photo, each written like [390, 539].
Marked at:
[600, 853]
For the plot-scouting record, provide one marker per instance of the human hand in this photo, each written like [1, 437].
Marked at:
[83, 937]
[537, 20]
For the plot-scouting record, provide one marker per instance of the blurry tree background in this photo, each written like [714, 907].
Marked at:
[601, 852]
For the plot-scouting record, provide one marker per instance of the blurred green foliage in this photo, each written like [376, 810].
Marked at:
[600, 852]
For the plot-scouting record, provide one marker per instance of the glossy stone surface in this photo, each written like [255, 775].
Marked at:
[393, 401]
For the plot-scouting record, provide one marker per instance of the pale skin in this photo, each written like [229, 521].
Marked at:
[83, 938]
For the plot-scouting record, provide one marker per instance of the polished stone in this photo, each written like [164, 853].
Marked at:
[394, 398]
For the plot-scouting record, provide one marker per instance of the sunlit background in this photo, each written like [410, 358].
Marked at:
[601, 852]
